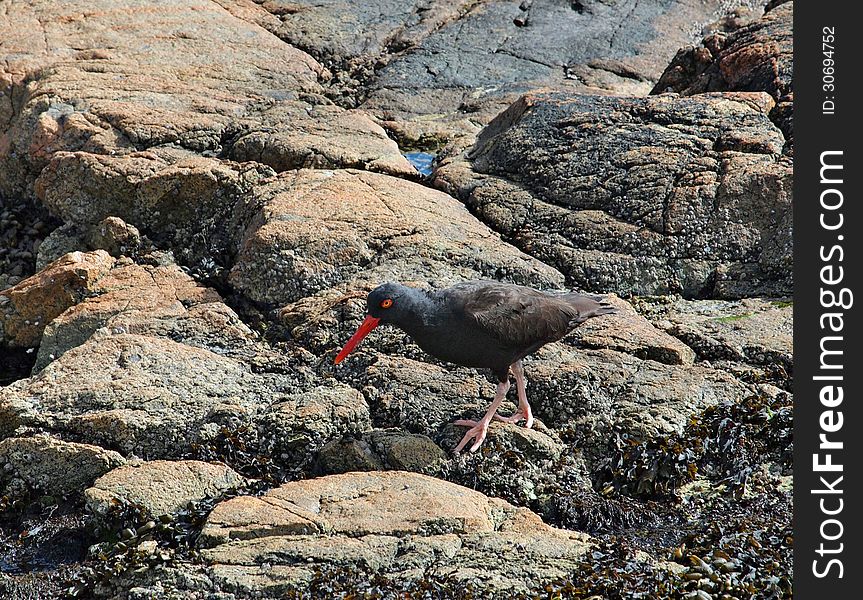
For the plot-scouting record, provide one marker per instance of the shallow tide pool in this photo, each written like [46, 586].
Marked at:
[422, 161]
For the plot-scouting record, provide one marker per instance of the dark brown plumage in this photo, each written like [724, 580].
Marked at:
[482, 324]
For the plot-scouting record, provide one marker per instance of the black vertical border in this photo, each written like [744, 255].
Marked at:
[815, 133]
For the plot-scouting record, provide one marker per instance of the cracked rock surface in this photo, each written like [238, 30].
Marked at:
[651, 195]
[320, 229]
[400, 524]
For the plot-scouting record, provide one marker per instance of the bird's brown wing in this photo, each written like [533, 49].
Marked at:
[517, 316]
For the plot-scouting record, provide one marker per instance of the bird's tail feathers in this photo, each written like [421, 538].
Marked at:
[590, 306]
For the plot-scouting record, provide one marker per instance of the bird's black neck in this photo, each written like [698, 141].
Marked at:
[420, 311]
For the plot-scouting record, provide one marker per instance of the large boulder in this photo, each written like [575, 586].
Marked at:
[196, 205]
[153, 397]
[340, 31]
[455, 79]
[90, 78]
[651, 195]
[752, 57]
[402, 525]
[158, 300]
[320, 229]
[159, 487]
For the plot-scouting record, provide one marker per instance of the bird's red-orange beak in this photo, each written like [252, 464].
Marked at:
[364, 329]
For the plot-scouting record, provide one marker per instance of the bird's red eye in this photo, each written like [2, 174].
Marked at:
[386, 303]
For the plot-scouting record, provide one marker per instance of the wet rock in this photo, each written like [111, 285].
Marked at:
[329, 30]
[30, 305]
[320, 229]
[160, 487]
[470, 69]
[638, 195]
[754, 57]
[382, 449]
[394, 523]
[52, 466]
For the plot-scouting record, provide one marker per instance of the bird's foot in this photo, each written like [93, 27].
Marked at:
[516, 417]
[477, 432]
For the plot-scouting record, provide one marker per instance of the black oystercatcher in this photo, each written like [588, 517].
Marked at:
[482, 324]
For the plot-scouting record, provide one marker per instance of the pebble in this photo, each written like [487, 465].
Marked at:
[146, 527]
[698, 563]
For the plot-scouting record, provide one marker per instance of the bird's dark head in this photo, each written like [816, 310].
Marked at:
[392, 303]
[388, 303]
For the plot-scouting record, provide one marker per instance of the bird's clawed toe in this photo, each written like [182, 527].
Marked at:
[516, 417]
[519, 415]
[477, 432]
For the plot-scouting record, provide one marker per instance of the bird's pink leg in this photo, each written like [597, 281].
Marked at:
[524, 412]
[479, 429]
